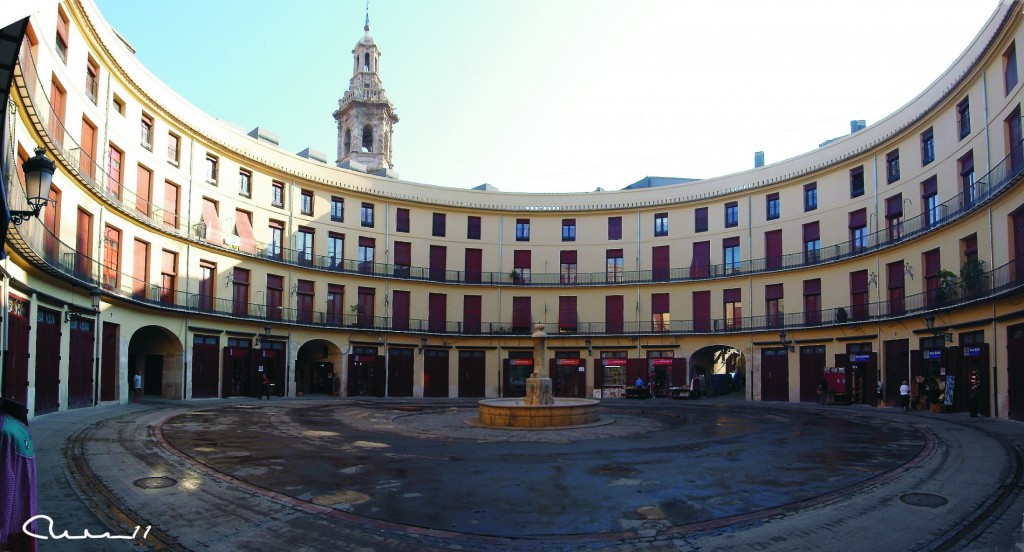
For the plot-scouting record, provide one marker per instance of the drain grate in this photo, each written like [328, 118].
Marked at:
[155, 482]
[924, 500]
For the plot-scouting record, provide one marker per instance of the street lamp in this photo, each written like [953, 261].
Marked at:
[785, 342]
[589, 344]
[423, 343]
[264, 335]
[38, 177]
[929, 322]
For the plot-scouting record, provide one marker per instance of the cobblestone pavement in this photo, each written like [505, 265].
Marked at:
[377, 475]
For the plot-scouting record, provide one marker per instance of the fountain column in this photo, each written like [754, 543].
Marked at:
[538, 385]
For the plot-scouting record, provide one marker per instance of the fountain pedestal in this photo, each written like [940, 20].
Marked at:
[538, 391]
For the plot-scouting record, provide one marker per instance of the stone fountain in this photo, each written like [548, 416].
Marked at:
[539, 408]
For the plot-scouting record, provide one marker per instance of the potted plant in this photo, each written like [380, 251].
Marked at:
[947, 287]
[841, 315]
[515, 276]
[972, 275]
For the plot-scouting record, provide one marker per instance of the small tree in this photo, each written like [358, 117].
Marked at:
[947, 287]
[972, 274]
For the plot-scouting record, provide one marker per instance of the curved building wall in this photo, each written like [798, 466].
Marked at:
[219, 257]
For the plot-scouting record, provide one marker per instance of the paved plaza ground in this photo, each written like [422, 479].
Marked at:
[410, 474]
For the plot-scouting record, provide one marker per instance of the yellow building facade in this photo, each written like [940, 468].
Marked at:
[214, 257]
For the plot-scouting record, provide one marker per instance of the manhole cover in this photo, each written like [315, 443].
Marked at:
[924, 499]
[155, 482]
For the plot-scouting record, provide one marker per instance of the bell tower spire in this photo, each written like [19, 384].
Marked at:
[365, 116]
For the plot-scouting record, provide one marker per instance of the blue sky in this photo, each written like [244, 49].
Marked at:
[558, 95]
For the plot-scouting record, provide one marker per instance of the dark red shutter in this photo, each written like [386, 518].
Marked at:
[521, 258]
[660, 264]
[931, 263]
[730, 242]
[567, 313]
[773, 291]
[613, 309]
[659, 303]
[732, 295]
[859, 218]
[701, 262]
[438, 262]
[614, 228]
[402, 222]
[701, 219]
[567, 257]
[812, 287]
[403, 253]
[811, 232]
[471, 306]
[859, 281]
[894, 206]
[773, 249]
[971, 245]
[474, 264]
[521, 312]
[895, 274]
[473, 228]
[702, 311]
[400, 310]
[929, 187]
[438, 304]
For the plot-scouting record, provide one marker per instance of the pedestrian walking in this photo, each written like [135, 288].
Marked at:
[137, 386]
[823, 392]
[265, 387]
[904, 396]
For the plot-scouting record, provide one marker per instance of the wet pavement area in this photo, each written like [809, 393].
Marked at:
[653, 467]
[380, 475]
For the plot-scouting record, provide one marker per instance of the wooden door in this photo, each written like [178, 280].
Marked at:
[435, 373]
[812, 366]
[47, 378]
[775, 374]
[80, 378]
[109, 362]
[897, 370]
[205, 366]
[400, 372]
[472, 372]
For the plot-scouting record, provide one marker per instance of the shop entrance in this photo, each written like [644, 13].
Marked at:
[1015, 371]
[972, 382]
[775, 374]
[204, 366]
[928, 367]
[400, 372]
[860, 366]
[47, 361]
[897, 370]
[518, 367]
[812, 370]
[236, 369]
[366, 373]
[472, 372]
[568, 374]
[435, 373]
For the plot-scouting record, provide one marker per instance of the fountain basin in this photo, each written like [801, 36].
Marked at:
[515, 413]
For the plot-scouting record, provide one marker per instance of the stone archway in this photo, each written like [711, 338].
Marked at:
[159, 356]
[723, 366]
[318, 368]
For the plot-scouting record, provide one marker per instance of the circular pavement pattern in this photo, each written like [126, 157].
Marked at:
[654, 468]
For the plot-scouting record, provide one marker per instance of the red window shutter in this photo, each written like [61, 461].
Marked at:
[732, 295]
[931, 263]
[702, 311]
[613, 254]
[400, 310]
[438, 262]
[895, 276]
[812, 287]
[140, 267]
[246, 236]
[929, 187]
[474, 264]
[143, 184]
[701, 263]
[894, 206]
[212, 220]
[402, 220]
[521, 312]
[471, 308]
[859, 281]
[305, 286]
[613, 309]
[614, 228]
[170, 205]
[811, 231]
[701, 216]
[660, 263]
[366, 242]
[731, 242]
[567, 257]
[403, 253]
[438, 312]
[971, 245]
[859, 218]
[773, 249]
[521, 258]
[659, 303]
[773, 291]
[473, 230]
[567, 313]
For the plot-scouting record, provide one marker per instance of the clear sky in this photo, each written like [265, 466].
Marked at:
[558, 95]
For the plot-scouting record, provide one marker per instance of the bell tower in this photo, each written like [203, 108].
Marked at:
[365, 116]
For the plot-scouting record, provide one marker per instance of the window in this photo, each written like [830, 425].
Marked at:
[613, 265]
[111, 257]
[927, 147]
[207, 280]
[567, 314]
[932, 279]
[963, 117]
[88, 156]
[335, 250]
[773, 249]
[173, 148]
[701, 309]
[857, 182]
[275, 295]
[773, 305]
[92, 79]
[812, 301]
[304, 298]
[471, 309]
[968, 187]
[140, 269]
[143, 188]
[473, 228]
[401, 219]
[521, 315]
[731, 254]
[930, 197]
[146, 132]
[1010, 68]
[304, 246]
[732, 214]
[894, 216]
[568, 229]
[732, 308]
[661, 265]
[892, 166]
[364, 254]
[244, 183]
[244, 231]
[171, 195]
[810, 196]
[306, 203]
[614, 228]
[209, 222]
[277, 194]
[896, 288]
[337, 209]
[276, 235]
[58, 100]
[118, 105]
[772, 206]
[438, 225]
[858, 230]
[567, 267]
[700, 262]
[700, 219]
[661, 224]
[366, 215]
[211, 169]
[240, 292]
[859, 294]
[437, 304]
[438, 263]
[474, 263]
[62, 34]
[335, 304]
[812, 243]
[522, 229]
[614, 307]
[521, 266]
[115, 158]
[168, 276]
[661, 316]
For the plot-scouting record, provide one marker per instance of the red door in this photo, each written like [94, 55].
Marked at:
[435, 373]
[17, 351]
[775, 374]
[235, 380]
[204, 366]
[897, 370]
[109, 362]
[47, 361]
[400, 372]
[471, 373]
[80, 382]
[812, 365]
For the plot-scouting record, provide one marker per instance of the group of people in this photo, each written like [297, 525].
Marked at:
[697, 387]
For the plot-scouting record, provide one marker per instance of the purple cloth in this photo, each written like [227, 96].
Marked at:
[17, 480]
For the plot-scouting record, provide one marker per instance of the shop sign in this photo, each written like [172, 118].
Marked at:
[861, 357]
[972, 351]
[933, 354]
[520, 361]
[567, 362]
[661, 361]
[614, 361]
